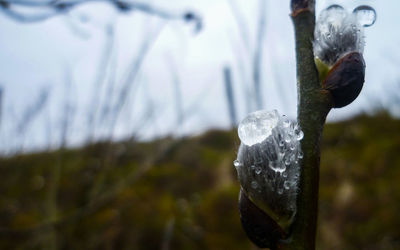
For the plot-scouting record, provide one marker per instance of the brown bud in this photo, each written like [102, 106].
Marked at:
[345, 80]
[261, 229]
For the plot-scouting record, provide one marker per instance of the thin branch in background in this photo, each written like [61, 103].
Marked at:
[258, 52]
[241, 23]
[46, 9]
[99, 81]
[242, 61]
[30, 113]
[230, 95]
[48, 127]
[104, 101]
[130, 78]
[128, 82]
[177, 92]
[54, 181]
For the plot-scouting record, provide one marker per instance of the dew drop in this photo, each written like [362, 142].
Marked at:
[277, 166]
[254, 184]
[366, 15]
[284, 174]
[280, 191]
[300, 135]
[286, 185]
[236, 163]
[252, 167]
[287, 161]
[335, 7]
[286, 123]
[300, 155]
[258, 170]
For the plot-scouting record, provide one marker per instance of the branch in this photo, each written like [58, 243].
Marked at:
[313, 107]
[44, 10]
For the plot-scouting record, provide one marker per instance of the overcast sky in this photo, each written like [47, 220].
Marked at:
[44, 55]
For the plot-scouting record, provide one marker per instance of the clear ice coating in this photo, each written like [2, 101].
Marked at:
[366, 15]
[338, 32]
[257, 126]
[268, 161]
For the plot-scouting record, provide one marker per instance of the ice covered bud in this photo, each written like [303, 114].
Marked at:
[268, 164]
[338, 50]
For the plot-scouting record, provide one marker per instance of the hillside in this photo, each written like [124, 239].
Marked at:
[182, 194]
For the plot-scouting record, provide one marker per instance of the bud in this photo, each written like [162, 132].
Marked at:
[338, 49]
[268, 164]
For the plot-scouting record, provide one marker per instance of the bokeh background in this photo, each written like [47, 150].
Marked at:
[117, 124]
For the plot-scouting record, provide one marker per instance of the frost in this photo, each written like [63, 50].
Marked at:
[338, 32]
[268, 161]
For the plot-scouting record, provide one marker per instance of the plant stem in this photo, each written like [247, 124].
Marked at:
[314, 105]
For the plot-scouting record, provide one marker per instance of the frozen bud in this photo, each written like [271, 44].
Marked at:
[338, 48]
[268, 163]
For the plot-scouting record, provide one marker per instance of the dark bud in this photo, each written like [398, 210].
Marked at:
[346, 79]
[261, 229]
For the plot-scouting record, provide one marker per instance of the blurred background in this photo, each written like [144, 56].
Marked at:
[117, 123]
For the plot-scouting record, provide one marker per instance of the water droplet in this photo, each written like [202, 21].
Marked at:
[284, 174]
[287, 161]
[300, 135]
[257, 126]
[258, 170]
[286, 185]
[287, 139]
[254, 184]
[236, 163]
[277, 166]
[286, 123]
[300, 155]
[292, 146]
[281, 143]
[328, 35]
[252, 167]
[280, 191]
[335, 7]
[366, 15]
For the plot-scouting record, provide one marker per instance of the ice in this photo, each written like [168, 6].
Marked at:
[338, 32]
[270, 154]
[257, 126]
[366, 15]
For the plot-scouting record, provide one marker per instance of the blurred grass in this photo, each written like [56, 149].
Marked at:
[182, 194]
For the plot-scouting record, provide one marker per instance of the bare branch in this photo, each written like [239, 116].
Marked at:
[43, 10]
